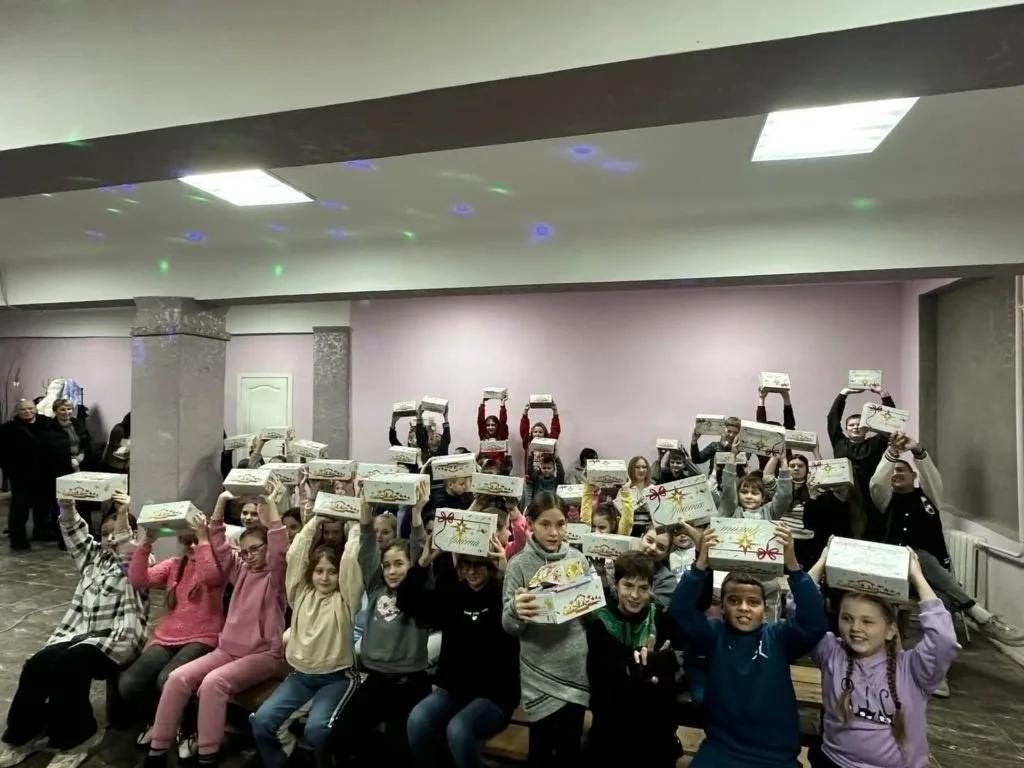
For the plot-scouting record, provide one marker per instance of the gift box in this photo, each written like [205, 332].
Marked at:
[882, 418]
[124, 450]
[331, 469]
[865, 379]
[337, 507]
[435, 404]
[494, 446]
[248, 482]
[464, 532]
[869, 567]
[828, 473]
[606, 472]
[451, 467]
[366, 471]
[403, 454]
[746, 546]
[91, 486]
[307, 449]
[773, 382]
[495, 393]
[763, 439]
[722, 457]
[799, 440]
[541, 401]
[405, 408]
[170, 519]
[567, 601]
[574, 533]
[394, 489]
[287, 472]
[497, 485]
[237, 443]
[667, 444]
[684, 501]
[709, 425]
[570, 494]
[277, 433]
[608, 545]
[541, 445]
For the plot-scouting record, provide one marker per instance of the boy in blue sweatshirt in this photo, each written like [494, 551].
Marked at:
[752, 720]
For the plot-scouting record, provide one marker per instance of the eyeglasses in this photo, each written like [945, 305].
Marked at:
[251, 551]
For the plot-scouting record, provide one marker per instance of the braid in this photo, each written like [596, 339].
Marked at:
[845, 704]
[899, 730]
[171, 600]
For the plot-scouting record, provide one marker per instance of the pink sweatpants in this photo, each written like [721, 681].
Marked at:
[215, 677]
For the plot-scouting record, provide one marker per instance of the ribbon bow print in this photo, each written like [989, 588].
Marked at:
[657, 493]
[765, 552]
[446, 517]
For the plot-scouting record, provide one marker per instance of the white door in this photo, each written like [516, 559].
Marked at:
[264, 400]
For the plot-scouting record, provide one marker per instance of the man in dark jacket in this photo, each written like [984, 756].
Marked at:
[28, 456]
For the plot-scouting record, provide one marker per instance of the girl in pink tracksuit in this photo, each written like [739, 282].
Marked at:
[249, 649]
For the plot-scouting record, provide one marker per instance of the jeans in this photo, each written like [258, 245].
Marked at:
[946, 587]
[443, 730]
[140, 685]
[328, 693]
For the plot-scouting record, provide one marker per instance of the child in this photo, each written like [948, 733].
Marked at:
[492, 428]
[590, 504]
[249, 649]
[683, 552]
[731, 428]
[103, 629]
[605, 518]
[513, 530]
[546, 475]
[627, 675]
[656, 544]
[753, 501]
[874, 694]
[761, 416]
[675, 465]
[749, 703]
[291, 519]
[633, 492]
[528, 433]
[324, 590]
[577, 474]
[193, 618]
[553, 657]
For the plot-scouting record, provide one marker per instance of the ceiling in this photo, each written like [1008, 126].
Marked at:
[950, 146]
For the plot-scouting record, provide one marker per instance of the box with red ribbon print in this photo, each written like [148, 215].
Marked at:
[746, 546]
[464, 532]
[684, 501]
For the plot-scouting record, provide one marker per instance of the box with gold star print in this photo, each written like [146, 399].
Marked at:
[882, 418]
[829, 473]
[566, 589]
[684, 501]
[746, 546]
[762, 439]
[464, 532]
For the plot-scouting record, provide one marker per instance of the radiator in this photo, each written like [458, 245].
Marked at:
[969, 563]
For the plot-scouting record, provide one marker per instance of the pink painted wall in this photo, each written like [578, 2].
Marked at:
[625, 367]
[272, 354]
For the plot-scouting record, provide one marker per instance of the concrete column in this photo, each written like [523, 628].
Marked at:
[178, 352]
[332, 388]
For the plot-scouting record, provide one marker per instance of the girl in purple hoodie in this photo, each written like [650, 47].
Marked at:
[874, 693]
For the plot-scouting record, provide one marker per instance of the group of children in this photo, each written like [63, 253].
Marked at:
[349, 612]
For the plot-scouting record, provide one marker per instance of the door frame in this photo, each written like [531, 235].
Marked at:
[238, 394]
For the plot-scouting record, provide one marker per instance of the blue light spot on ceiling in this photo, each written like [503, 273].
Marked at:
[338, 234]
[195, 237]
[619, 166]
[584, 152]
[463, 209]
[127, 187]
[94, 234]
[361, 165]
[332, 205]
[542, 232]
[277, 227]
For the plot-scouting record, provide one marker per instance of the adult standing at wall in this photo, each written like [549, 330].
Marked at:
[29, 462]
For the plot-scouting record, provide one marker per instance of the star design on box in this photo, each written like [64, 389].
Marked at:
[460, 532]
[745, 541]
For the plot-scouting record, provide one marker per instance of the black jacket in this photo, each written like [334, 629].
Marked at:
[61, 445]
[29, 452]
[865, 454]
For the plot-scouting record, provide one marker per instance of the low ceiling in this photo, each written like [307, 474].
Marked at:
[964, 145]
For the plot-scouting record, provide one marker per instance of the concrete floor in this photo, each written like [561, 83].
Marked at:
[981, 724]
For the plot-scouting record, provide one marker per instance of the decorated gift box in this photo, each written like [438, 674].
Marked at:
[684, 501]
[464, 532]
[404, 454]
[435, 404]
[763, 439]
[868, 567]
[570, 600]
[541, 445]
[570, 494]
[882, 418]
[865, 380]
[394, 489]
[497, 485]
[307, 449]
[574, 533]
[829, 473]
[248, 482]
[91, 486]
[405, 408]
[606, 472]
[456, 465]
[337, 507]
[667, 444]
[277, 433]
[287, 472]
[800, 440]
[541, 401]
[722, 458]
[494, 446]
[773, 382]
[239, 443]
[331, 469]
[495, 393]
[366, 471]
[709, 424]
[746, 546]
[608, 545]
[172, 518]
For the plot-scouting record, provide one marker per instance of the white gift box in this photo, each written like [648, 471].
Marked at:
[763, 439]
[540, 445]
[331, 469]
[667, 444]
[277, 433]
[869, 567]
[865, 379]
[570, 494]
[882, 418]
[453, 466]
[404, 454]
[541, 401]
[464, 532]
[829, 473]
[574, 533]
[248, 482]
[570, 600]
[366, 471]
[307, 449]
[497, 485]
[608, 545]
[405, 408]
[709, 424]
[722, 458]
[435, 404]
[684, 501]
[495, 393]
[394, 489]
[287, 472]
[337, 507]
[607, 472]
[171, 518]
[237, 443]
[746, 546]
[774, 382]
[799, 440]
[91, 486]
[494, 446]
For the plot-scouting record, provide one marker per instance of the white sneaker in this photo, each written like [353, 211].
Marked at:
[74, 757]
[942, 691]
[187, 747]
[11, 756]
[145, 738]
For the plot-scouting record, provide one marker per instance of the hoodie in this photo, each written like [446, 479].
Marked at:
[773, 509]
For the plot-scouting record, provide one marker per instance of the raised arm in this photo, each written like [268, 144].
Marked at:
[140, 574]
[298, 559]
[801, 632]
[81, 546]
[524, 428]
[227, 559]
[587, 503]
[277, 534]
[208, 573]
[417, 533]
[685, 607]
[779, 504]
[481, 420]
[369, 553]
[880, 485]
[931, 658]
[256, 453]
[445, 445]
[350, 578]
[834, 420]
[931, 480]
[556, 423]
[626, 510]
[727, 506]
[520, 533]
[503, 422]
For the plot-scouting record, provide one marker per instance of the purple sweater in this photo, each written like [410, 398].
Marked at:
[866, 742]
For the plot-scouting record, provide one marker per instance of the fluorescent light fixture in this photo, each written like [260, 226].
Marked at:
[847, 129]
[244, 188]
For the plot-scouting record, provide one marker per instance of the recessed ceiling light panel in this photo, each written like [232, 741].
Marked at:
[245, 188]
[847, 129]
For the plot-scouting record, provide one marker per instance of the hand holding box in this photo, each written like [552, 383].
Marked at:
[496, 393]
[570, 600]
[277, 433]
[91, 486]
[865, 380]
[882, 418]
[709, 424]
[869, 567]
[307, 449]
[543, 445]
[667, 444]
[746, 546]
[608, 545]
[405, 408]
[288, 473]
[172, 518]
[572, 495]
[829, 473]
[773, 382]
[249, 482]
[331, 469]
[454, 466]
[542, 401]
[724, 457]
[337, 507]
[464, 532]
[435, 404]
[799, 440]
[403, 454]
[605, 473]
[762, 439]
[683, 501]
[238, 443]
[497, 485]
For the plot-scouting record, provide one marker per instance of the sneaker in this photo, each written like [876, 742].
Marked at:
[942, 691]
[145, 738]
[998, 630]
[68, 759]
[11, 756]
[188, 747]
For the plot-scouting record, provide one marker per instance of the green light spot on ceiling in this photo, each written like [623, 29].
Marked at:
[499, 190]
[165, 266]
[47, 194]
[278, 270]
[862, 204]
[113, 210]
[198, 198]
[129, 200]
[411, 236]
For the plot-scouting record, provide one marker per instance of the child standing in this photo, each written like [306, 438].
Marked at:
[492, 428]
[528, 433]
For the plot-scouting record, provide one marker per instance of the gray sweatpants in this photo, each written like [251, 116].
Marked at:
[140, 685]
